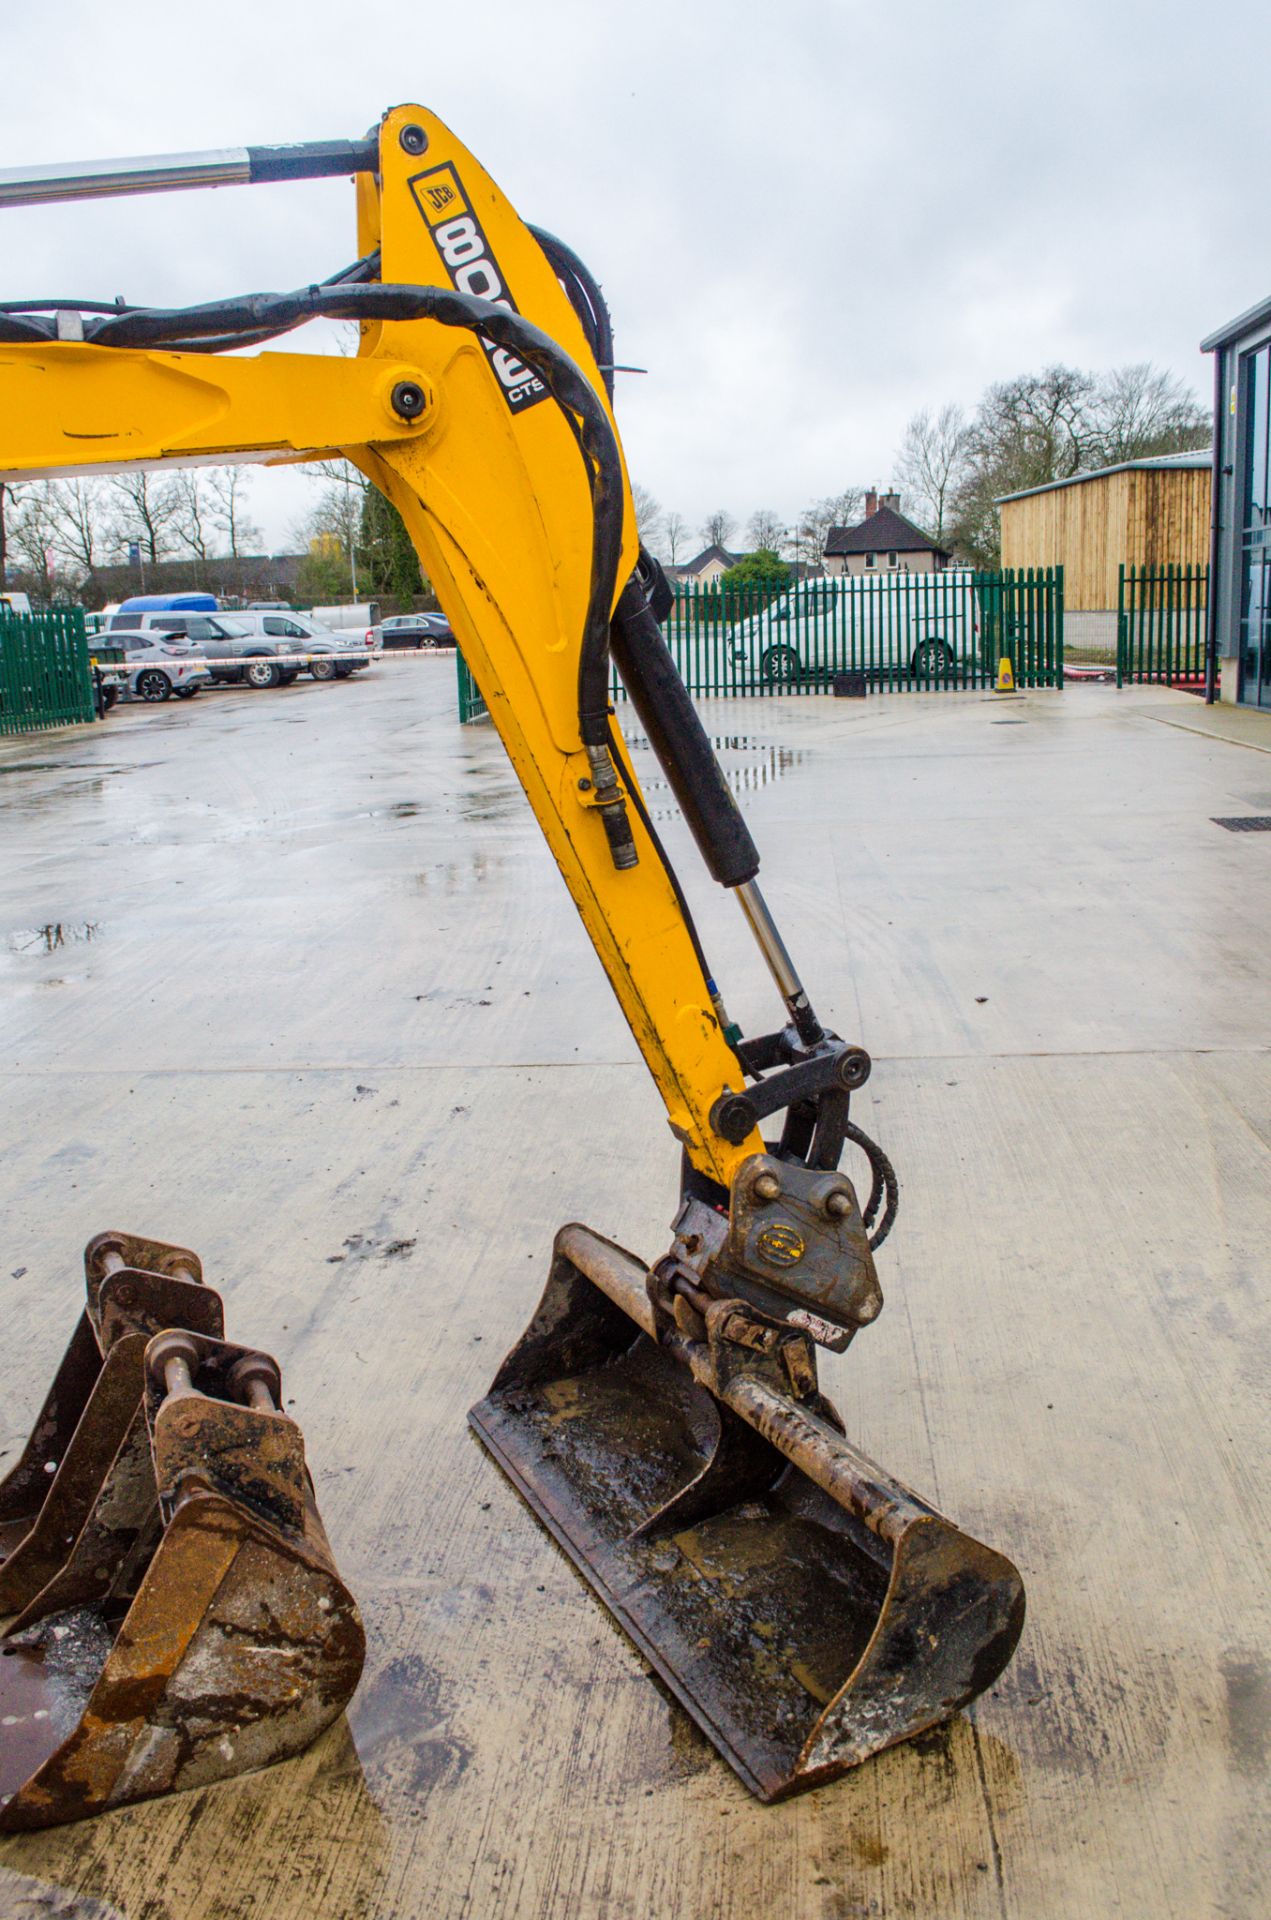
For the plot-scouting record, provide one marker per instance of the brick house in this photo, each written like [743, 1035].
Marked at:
[884, 542]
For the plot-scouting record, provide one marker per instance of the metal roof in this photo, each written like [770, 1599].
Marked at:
[1192, 457]
[1244, 323]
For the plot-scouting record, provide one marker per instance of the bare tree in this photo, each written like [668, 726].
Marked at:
[674, 528]
[331, 528]
[648, 513]
[192, 524]
[717, 528]
[835, 510]
[32, 539]
[228, 489]
[146, 507]
[339, 506]
[767, 529]
[1026, 432]
[1047, 426]
[1036, 428]
[1141, 410]
[8, 502]
[932, 463]
[78, 512]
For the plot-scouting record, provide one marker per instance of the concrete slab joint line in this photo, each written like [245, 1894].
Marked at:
[1063, 972]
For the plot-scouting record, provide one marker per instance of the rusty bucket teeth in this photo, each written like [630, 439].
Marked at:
[805, 1608]
[179, 1618]
[134, 1288]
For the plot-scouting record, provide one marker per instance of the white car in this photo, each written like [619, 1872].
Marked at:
[924, 624]
[157, 665]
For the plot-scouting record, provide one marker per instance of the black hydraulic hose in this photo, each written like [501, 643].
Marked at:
[265, 315]
[883, 1185]
[585, 297]
[680, 741]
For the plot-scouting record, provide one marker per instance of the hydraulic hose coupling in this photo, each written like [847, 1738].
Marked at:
[613, 808]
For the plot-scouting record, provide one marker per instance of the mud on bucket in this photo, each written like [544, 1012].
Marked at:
[804, 1607]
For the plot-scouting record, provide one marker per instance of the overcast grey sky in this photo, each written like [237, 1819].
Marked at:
[810, 219]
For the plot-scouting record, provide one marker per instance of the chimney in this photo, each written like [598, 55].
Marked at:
[892, 500]
[871, 503]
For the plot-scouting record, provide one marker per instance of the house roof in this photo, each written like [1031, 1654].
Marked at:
[713, 552]
[1153, 463]
[885, 531]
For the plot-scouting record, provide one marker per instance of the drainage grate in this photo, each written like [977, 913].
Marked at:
[1246, 823]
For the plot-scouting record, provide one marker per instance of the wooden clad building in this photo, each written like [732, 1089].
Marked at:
[1144, 513]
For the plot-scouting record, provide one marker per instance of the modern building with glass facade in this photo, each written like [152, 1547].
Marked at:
[1240, 632]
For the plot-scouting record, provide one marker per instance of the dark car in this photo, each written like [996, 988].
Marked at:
[414, 630]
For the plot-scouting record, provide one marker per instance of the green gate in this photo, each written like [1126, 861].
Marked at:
[1162, 616]
[45, 676]
[472, 704]
[894, 633]
[899, 633]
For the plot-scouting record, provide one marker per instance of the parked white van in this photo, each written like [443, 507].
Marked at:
[924, 624]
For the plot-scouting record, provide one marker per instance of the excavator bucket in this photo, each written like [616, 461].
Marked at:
[805, 1608]
[134, 1288]
[178, 1616]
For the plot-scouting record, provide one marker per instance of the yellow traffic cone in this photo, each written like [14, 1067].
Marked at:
[1005, 675]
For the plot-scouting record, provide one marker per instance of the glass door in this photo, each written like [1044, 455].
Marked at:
[1255, 533]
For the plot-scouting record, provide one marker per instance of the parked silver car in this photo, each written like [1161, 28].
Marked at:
[235, 651]
[333, 655]
[158, 665]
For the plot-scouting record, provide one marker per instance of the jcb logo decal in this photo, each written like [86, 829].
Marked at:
[473, 269]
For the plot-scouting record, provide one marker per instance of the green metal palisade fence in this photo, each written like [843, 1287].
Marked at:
[45, 676]
[1161, 620]
[895, 633]
[911, 632]
[472, 704]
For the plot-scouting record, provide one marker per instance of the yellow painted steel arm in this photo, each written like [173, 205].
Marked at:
[491, 484]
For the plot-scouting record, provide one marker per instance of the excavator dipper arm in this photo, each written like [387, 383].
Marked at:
[479, 403]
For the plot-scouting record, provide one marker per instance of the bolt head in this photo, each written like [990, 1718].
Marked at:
[413, 139]
[767, 1187]
[408, 400]
[838, 1205]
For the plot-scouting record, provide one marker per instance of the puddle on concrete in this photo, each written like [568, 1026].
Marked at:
[763, 768]
[42, 766]
[51, 936]
[499, 804]
[458, 876]
[57, 794]
[722, 743]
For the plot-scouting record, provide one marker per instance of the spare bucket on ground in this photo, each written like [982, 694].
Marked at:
[179, 1618]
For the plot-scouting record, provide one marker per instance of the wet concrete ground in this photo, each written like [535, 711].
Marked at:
[289, 977]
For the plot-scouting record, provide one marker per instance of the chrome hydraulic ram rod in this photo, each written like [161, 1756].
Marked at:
[169, 172]
[780, 965]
